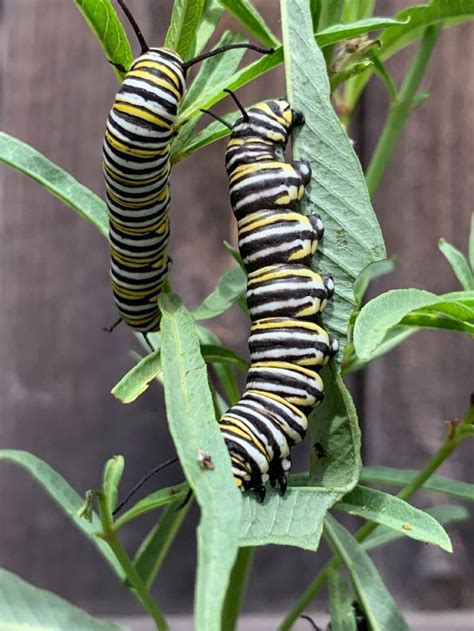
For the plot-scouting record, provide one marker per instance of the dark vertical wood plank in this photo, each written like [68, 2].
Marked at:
[409, 395]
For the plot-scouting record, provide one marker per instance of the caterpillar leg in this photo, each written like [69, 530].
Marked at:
[109, 329]
[303, 169]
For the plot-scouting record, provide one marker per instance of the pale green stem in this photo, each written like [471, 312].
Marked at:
[139, 589]
[401, 109]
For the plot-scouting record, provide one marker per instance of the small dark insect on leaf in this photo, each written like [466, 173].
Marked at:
[205, 461]
[361, 620]
[319, 451]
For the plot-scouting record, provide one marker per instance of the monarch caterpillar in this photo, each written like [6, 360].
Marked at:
[284, 296]
[136, 162]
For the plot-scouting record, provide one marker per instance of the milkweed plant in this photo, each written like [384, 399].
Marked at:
[330, 49]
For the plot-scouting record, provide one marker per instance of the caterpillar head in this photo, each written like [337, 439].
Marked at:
[271, 121]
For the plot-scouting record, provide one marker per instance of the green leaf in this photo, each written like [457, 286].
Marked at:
[352, 237]
[162, 497]
[194, 430]
[214, 354]
[65, 497]
[358, 10]
[370, 273]
[386, 509]
[394, 337]
[137, 380]
[230, 287]
[24, 606]
[32, 163]
[402, 477]
[154, 548]
[334, 426]
[447, 316]
[215, 93]
[459, 263]
[449, 12]
[340, 604]
[443, 514]
[294, 520]
[105, 24]
[340, 32]
[211, 15]
[380, 609]
[248, 15]
[390, 309]
[330, 13]
[471, 244]
[216, 68]
[181, 33]
[113, 472]
[348, 73]
[225, 372]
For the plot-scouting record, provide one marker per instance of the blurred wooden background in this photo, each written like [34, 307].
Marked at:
[58, 366]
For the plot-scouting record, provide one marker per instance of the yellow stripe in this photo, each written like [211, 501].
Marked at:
[290, 367]
[266, 274]
[279, 399]
[123, 148]
[162, 83]
[133, 110]
[161, 66]
[270, 323]
[135, 183]
[162, 195]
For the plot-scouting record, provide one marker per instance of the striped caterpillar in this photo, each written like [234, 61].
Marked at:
[136, 159]
[284, 297]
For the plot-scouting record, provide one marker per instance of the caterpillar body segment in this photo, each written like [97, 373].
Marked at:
[285, 297]
[270, 237]
[137, 165]
[293, 291]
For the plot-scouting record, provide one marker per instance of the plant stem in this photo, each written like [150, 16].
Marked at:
[401, 109]
[454, 439]
[110, 536]
[236, 589]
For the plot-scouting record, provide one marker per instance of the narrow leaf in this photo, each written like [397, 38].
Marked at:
[370, 273]
[65, 497]
[137, 380]
[32, 163]
[340, 604]
[449, 12]
[186, 145]
[214, 93]
[194, 430]
[459, 263]
[248, 15]
[352, 237]
[225, 372]
[381, 610]
[211, 15]
[214, 354]
[443, 514]
[216, 68]
[334, 432]
[113, 472]
[24, 606]
[181, 33]
[386, 509]
[155, 547]
[294, 520]
[385, 312]
[341, 32]
[105, 24]
[228, 290]
[402, 477]
[163, 497]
